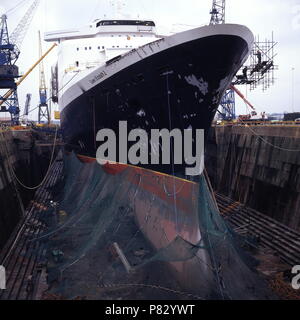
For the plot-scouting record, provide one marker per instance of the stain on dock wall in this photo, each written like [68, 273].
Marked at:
[18, 149]
[255, 165]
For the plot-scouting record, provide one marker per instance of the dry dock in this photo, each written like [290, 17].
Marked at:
[255, 174]
[259, 166]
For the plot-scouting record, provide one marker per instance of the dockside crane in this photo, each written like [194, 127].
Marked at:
[43, 114]
[228, 100]
[218, 12]
[9, 54]
[9, 72]
[259, 72]
[19, 33]
[10, 92]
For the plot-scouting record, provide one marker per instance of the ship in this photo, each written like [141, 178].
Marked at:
[113, 71]
[122, 70]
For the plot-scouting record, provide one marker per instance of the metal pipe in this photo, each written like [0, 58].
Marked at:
[122, 257]
[238, 92]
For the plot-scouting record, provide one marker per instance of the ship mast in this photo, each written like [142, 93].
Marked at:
[118, 6]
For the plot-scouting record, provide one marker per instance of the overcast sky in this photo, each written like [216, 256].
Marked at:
[261, 16]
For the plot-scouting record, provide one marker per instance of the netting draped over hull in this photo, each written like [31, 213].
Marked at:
[173, 245]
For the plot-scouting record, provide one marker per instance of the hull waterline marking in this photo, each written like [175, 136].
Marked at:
[162, 150]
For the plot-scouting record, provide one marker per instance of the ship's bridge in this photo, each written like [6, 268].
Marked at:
[102, 28]
[136, 26]
[125, 23]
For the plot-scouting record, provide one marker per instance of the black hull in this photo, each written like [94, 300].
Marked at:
[158, 86]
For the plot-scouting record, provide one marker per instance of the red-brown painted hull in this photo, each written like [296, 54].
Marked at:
[162, 215]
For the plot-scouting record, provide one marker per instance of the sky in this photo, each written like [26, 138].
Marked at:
[262, 17]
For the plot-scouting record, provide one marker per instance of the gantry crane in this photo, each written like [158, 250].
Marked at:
[18, 35]
[9, 54]
[228, 101]
[258, 73]
[8, 70]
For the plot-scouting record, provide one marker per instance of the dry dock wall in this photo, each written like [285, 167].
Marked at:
[252, 165]
[11, 206]
[19, 148]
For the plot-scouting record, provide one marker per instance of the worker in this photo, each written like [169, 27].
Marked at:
[258, 54]
[245, 70]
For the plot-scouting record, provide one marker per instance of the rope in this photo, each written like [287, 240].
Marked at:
[271, 144]
[47, 173]
[266, 141]
[172, 153]
[175, 192]
[151, 287]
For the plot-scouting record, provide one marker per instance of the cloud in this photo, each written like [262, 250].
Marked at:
[2, 10]
[261, 16]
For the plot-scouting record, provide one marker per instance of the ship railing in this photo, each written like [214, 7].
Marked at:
[271, 123]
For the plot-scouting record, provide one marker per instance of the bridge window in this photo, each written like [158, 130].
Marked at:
[125, 23]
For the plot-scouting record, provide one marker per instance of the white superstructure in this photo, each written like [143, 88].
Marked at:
[85, 56]
[81, 50]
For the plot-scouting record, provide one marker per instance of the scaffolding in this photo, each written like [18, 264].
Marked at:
[260, 69]
[227, 106]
